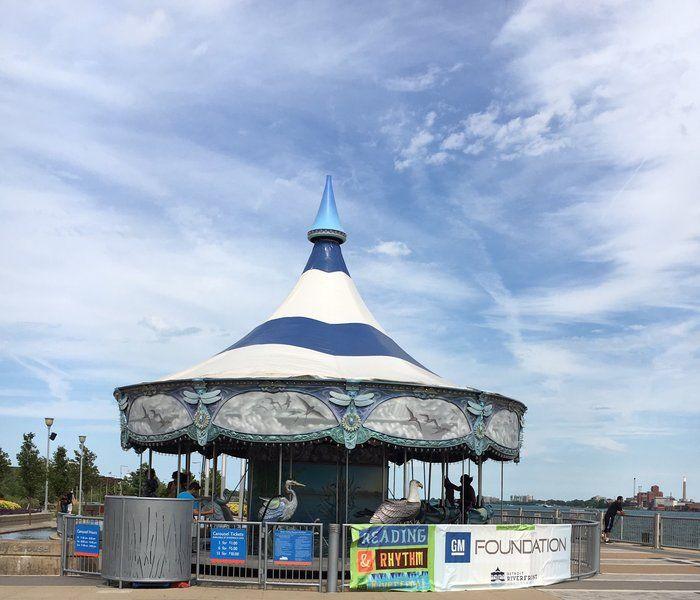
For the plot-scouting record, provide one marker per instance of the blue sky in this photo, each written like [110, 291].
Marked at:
[519, 182]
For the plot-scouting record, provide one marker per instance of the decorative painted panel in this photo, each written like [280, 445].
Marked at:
[418, 419]
[157, 414]
[275, 413]
[504, 429]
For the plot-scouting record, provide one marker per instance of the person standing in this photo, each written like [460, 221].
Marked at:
[151, 487]
[614, 509]
[69, 502]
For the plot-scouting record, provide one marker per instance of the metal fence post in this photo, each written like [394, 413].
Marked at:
[657, 530]
[332, 572]
[557, 515]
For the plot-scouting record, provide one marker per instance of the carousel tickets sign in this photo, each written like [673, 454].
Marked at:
[458, 557]
[391, 557]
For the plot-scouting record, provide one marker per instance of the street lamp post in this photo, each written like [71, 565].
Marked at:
[49, 422]
[81, 439]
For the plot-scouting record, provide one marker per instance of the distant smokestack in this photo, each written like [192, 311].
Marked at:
[684, 499]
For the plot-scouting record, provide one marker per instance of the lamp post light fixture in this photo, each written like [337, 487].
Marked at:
[81, 439]
[49, 422]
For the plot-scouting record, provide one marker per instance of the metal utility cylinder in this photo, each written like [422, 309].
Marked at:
[147, 540]
[333, 537]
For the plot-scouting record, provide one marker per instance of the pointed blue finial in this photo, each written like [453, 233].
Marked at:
[327, 224]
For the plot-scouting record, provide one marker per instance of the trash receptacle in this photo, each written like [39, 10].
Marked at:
[147, 540]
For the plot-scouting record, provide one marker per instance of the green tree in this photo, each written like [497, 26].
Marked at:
[31, 468]
[59, 473]
[131, 481]
[5, 472]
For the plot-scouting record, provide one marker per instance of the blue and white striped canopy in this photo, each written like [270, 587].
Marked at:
[323, 330]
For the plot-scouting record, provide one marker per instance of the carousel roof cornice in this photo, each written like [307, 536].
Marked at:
[321, 370]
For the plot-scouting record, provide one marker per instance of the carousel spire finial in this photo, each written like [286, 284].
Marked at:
[327, 224]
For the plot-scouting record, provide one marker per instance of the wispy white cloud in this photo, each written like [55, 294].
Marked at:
[391, 248]
[431, 77]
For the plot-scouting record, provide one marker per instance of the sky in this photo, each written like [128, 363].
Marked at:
[518, 180]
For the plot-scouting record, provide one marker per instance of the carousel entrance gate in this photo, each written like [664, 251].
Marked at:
[259, 554]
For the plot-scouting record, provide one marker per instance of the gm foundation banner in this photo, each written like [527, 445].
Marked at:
[458, 557]
[391, 557]
[500, 556]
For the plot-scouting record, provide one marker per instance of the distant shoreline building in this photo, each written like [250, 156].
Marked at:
[524, 499]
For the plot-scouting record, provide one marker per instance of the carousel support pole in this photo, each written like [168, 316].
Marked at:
[214, 461]
[501, 491]
[425, 482]
[279, 474]
[140, 470]
[385, 476]
[393, 485]
[462, 483]
[405, 473]
[242, 489]
[249, 473]
[337, 490]
[291, 449]
[179, 468]
[188, 466]
[430, 477]
[223, 475]
[204, 475]
[150, 461]
[442, 482]
[347, 482]
[480, 480]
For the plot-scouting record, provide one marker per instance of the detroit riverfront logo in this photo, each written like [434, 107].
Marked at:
[458, 546]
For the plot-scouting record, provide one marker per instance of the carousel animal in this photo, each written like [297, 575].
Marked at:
[280, 508]
[400, 511]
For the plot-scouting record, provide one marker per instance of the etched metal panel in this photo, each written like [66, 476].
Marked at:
[417, 418]
[147, 539]
[275, 413]
[504, 429]
[152, 415]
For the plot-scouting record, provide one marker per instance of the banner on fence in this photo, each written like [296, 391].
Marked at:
[87, 539]
[500, 556]
[293, 547]
[228, 546]
[391, 557]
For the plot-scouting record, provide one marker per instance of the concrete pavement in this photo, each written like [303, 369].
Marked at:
[627, 572]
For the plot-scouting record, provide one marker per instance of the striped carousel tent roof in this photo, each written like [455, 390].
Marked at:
[323, 330]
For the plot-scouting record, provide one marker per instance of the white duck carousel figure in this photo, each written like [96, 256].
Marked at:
[400, 511]
[280, 508]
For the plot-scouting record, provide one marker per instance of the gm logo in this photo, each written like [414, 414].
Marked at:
[458, 546]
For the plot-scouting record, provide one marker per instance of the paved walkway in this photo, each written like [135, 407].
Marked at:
[627, 572]
[637, 572]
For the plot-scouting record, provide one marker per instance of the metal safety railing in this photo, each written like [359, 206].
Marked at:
[283, 544]
[585, 549]
[680, 532]
[638, 529]
[259, 554]
[81, 544]
[227, 552]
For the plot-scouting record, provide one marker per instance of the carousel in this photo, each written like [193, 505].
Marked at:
[320, 396]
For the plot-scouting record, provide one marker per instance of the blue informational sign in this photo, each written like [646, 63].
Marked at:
[228, 546]
[293, 547]
[87, 539]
